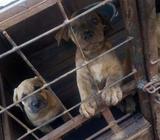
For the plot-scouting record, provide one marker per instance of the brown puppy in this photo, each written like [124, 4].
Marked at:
[89, 31]
[39, 107]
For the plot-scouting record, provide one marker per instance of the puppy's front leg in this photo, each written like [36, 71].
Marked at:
[87, 91]
[112, 95]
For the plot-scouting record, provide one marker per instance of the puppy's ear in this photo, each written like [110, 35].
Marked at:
[37, 82]
[62, 34]
[15, 98]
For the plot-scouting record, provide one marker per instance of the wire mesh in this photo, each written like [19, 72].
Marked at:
[16, 48]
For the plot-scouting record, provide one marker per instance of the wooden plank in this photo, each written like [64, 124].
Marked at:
[107, 114]
[23, 12]
[133, 128]
[132, 25]
[147, 13]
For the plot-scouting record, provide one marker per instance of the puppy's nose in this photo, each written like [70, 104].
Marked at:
[35, 103]
[88, 34]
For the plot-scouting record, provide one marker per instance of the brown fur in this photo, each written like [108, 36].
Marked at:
[46, 113]
[104, 71]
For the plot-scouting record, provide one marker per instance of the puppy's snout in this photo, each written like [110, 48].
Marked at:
[88, 34]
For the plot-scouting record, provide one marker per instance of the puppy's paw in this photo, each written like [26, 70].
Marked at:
[88, 108]
[112, 95]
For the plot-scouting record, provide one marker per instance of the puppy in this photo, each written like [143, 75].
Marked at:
[39, 107]
[89, 32]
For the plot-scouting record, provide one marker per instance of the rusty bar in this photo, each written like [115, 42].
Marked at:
[148, 22]
[22, 55]
[68, 73]
[52, 30]
[107, 127]
[107, 114]
[77, 105]
[68, 126]
[65, 128]
[129, 11]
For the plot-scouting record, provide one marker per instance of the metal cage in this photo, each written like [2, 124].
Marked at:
[140, 37]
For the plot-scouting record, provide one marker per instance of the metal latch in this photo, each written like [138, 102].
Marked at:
[151, 87]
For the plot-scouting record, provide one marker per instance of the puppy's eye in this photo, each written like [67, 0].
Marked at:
[94, 21]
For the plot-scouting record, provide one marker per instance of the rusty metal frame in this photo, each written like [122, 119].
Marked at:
[129, 11]
[147, 14]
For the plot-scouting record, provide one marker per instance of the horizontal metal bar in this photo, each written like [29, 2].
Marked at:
[108, 116]
[77, 105]
[68, 73]
[66, 22]
[107, 127]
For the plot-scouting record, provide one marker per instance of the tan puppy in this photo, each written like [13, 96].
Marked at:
[89, 31]
[39, 107]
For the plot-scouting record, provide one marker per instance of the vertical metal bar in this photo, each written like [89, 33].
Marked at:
[22, 55]
[129, 12]
[111, 121]
[147, 13]
[7, 132]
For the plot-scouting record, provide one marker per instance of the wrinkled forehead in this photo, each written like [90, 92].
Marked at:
[25, 87]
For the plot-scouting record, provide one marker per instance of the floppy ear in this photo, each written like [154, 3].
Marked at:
[62, 34]
[15, 98]
[37, 82]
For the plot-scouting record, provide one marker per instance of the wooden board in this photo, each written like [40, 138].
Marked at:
[135, 128]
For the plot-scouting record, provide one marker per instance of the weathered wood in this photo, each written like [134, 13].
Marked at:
[134, 128]
[107, 114]
[20, 12]
[147, 13]
[129, 11]
[78, 120]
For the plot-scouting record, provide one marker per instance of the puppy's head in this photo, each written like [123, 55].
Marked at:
[88, 30]
[34, 103]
